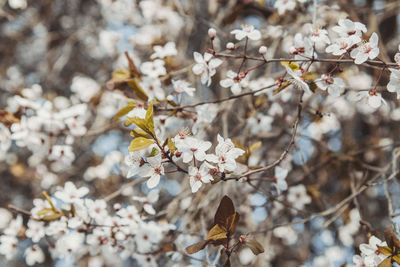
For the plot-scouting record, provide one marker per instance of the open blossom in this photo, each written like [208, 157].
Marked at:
[8, 246]
[302, 47]
[181, 86]
[225, 154]
[34, 255]
[35, 230]
[70, 194]
[280, 175]
[134, 161]
[152, 197]
[168, 49]
[340, 46]
[154, 169]
[153, 68]
[153, 88]
[350, 29]
[335, 86]
[193, 148]
[319, 36]
[370, 254]
[283, 5]
[366, 50]
[394, 83]
[206, 66]
[234, 82]
[247, 31]
[199, 176]
[373, 98]
[297, 81]
[297, 196]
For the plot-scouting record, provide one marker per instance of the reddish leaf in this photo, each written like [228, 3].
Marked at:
[196, 247]
[217, 233]
[232, 222]
[224, 211]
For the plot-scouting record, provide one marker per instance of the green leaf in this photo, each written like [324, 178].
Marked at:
[137, 89]
[216, 233]
[125, 110]
[386, 263]
[255, 246]
[385, 250]
[171, 146]
[141, 123]
[140, 133]
[149, 118]
[396, 258]
[196, 247]
[139, 144]
[51, 217]
[154, 152]
[283, 86]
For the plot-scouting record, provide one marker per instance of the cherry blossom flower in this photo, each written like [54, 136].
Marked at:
[8, 246]
[394, 82]
[247, 31]
[62, 153]
[169, 49]
[193, 148]
[84, 87]
[323, 125]
[260, 123]
[206, 66]
[97, 209]
[153, 68]
[319, 36]
[235, 82]
[134, 161]
[297, 196]
[334, 86]
[366, 50]
[225, 154]
[199, 176]
[34, 255]
[35, 230]
[372, 97]
[297, 81]
[284, 5]
[370, 253]
[154, 169]
[340, 46]
[280, 176]
[70, 194]
[181, 86]
[152, 197]
[302, 47]
[153, 88]
[350, 29]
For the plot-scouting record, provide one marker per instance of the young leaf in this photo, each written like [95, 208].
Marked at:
[385, 250]
[391, 239]
[137, 89]
[125, 110]
[196, 247]
[171, 146]
[225, 209]
[216, 233]
[139, 144]
[140, 133]
[133, 71]
[386, 263]
[232, 222]
[283, 86]
[255, 246]
[149, 118]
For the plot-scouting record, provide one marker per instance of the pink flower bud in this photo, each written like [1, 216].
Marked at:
[212, 33]
[230, 46]
[262, 50]
[293, 50]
